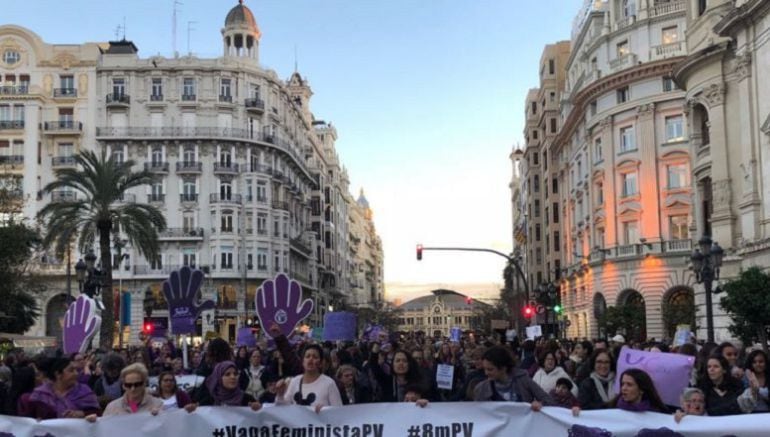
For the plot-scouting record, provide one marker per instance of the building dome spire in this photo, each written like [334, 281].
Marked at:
[240, 36]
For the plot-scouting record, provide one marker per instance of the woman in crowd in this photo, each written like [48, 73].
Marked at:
[638, 393]
[757, 375]
[505, 382]
[403, 371]
[597, 389]
[136, 398]
[251, 376]
[242, 358]
[221, 389]
[106, 383]
[731, 354]
[350, 390]
[172, 396]
[312, 387]
[693, 404]
[720, 388]
[62, 396]
[548, 373]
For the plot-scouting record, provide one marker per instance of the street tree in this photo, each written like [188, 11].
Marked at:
[99, 215]
[628, 319]
[18, 285]
[747, 302]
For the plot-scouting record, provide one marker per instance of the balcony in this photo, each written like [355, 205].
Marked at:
[63, 161]
[63, 196]
[254, 105]
[188, 197]
[667, 8]
[299, 246]
[118, 100]
[156, 166]
[225, 168]
[281, 205]
[189, 167]
[218, 198]
[195, 234]
[14, 90]
[156, 97]
[62, 127]
[622, 62]
[156, 198]
[11, 124]
[225, 99]
[189, 97]
[65, 93]
[625, 22]
[671, 50]
[13, 194]
[683, 246]
[154, 270]
[127, 198]
[11, 159]
[629, 250]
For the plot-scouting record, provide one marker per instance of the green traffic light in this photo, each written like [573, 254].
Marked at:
[557, 309]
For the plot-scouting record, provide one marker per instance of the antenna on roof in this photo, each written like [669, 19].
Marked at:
[118, 28]
[124, 28]
[295, 58]
[190, 28]
[173, 27]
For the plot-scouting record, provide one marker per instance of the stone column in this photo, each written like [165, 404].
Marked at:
[649, 184]
[749, 206]
[723, 217]
[610, 191]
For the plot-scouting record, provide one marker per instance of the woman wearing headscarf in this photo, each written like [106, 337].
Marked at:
[62, 396]
[221, 389]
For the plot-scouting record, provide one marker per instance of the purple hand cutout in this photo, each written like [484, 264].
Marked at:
[181, 289]
[80, 325]
[278, 301]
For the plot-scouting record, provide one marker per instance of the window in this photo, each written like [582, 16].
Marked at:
[157, 263]
[593, 108]
[189, 192]
[552, 96]
[67, 84]
[261, 192]
[669, 35]
[534, 107]
[225, 158]
[249, 223]
[157, 191]
[188, 156]
[598, 150]
[554, 186]
[669, 84]
[189, 257]
[538, 258]
[188, 88]
[627, 139]
[553, 125]
[622, 95]
[188, 222]
[225, 191]
[261, 223]
[545, 166]
[156, 156]
[678, 227]
[66, 149]
[226, 258]
[629, 8]
[534, 134]
[11, 57]
[537, 208]
[226, 222]
[224, 88]
[556, 241]
[629, 184]
[536, 159]
[536, 183]
[537, 232]
[118, 86]
[551, 66]
[118, 155]
[262, 258]
[674, 128]
[631, 232]
[157, 89]
[599, 193]
[599, 237]
[677, 176]
[555, 209]
[622, 49]
[702, 5]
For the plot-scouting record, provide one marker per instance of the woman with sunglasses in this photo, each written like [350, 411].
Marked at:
[136, 398]
[172, 396]
[312, 387]
[221, 389]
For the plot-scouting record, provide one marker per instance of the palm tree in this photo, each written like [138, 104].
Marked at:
[99, 214]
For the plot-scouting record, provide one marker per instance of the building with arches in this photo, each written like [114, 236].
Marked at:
[248, 178]
[437, 313]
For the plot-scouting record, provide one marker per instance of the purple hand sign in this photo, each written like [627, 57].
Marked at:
[278, 301]
[80, 325]
[181, 289]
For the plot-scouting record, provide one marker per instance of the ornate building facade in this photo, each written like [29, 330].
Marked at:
[249, 180]
[435, 315]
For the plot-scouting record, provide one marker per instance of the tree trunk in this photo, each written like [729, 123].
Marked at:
[107, 332]
[762, 334]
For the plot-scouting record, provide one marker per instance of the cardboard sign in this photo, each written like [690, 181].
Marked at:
[510, 335]
[279, 301]
[682, 335]
[444, 376]
[181, 292]
[339, 326]
[81, 323]
[245, 337]
[185, 382]
[669, 372]
[455, 334]
[534, 331]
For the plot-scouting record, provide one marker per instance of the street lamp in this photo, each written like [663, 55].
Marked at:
[706, 262]
[89, 277]
[149, 302]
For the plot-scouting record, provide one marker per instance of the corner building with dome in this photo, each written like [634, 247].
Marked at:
[248, 178]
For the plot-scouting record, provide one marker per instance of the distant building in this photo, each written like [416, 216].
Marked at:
[436, 314]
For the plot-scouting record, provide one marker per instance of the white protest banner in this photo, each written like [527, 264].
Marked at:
[444, 375]
[456, 419]
[510, 334]
[534, 331]
[185, 382]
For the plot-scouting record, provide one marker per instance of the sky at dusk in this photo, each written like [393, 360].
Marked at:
[427, 97]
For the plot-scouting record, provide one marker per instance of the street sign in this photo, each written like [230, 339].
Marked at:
[540, 309]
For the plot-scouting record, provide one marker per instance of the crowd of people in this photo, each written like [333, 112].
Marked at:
[578, 375]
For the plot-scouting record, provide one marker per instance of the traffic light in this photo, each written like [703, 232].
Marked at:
[557, 309]
[148, 327]
[529, 311]
[419, 252]
[468, 300]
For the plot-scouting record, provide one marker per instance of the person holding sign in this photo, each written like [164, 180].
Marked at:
[62, 396]
[507, 383]
[311, 388]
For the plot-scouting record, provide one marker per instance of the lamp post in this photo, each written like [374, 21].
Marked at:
[706, 261]
[546, 295]
[89, 277]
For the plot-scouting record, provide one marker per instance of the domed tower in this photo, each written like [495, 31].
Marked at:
[363, 203]
[240, 36]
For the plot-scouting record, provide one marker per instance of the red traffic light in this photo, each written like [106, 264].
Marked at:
[419, 252]
[148, 327]
[528, 311]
